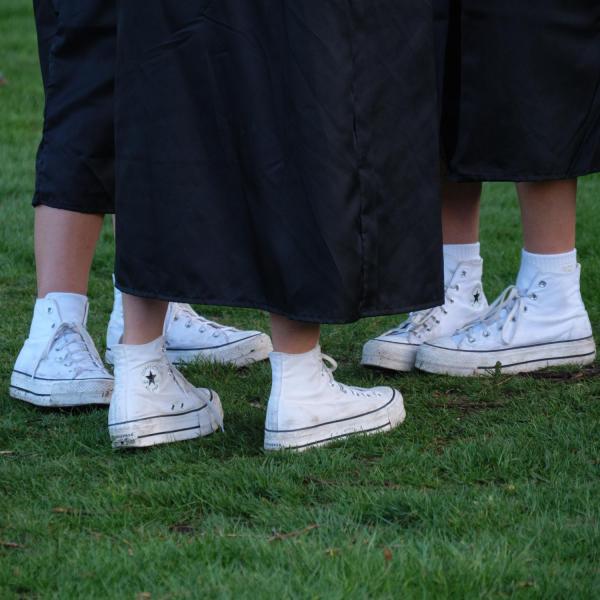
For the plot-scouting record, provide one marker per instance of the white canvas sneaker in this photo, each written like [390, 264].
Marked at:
[153, 403]
[465, 302]
[59, 365]
[308, 408]
[546, 326]
[190, 337]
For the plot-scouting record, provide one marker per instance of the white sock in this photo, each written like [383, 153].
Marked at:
[532, 264]
[454, 254]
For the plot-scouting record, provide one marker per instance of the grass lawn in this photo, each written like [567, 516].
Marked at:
[489, 490]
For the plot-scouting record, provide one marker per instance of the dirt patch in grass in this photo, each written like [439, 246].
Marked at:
[585, 374]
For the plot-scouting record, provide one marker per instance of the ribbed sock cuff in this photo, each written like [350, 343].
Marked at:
[462, 252]
[565, 262]
[454, 254]
[532, 264]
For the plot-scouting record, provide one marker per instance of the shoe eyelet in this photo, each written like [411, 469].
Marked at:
[172, 407]
[451, 300]
[463, 273]
[457, 287]
[534, 296]
[49, 310]
[486, 334]
[542, 284]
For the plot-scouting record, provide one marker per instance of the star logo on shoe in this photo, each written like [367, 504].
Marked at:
[476, 297]
[151, 379]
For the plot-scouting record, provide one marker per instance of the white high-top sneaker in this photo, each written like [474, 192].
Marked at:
[307, 407]
[59, 365]
[153, 403]
[190, 337]
[465, 302]
[547, 325]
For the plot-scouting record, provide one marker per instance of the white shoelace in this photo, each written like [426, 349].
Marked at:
[506, 309]
[185, 311]
[328, 367]
[80, 349]
[426, 319]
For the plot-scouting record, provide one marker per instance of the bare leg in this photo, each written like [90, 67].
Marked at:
[65, 242]
[460, 212]
[293, 337]
[548, 213]
[144, 319]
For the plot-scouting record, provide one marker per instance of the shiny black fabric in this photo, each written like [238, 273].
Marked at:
[75, 161]
[280, 155]
[521, 88]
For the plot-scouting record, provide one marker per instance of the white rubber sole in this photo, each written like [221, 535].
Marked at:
[60, 394]
[387, 355]
[239, 354]
[465, 363]
[165, 429]
[385, 418]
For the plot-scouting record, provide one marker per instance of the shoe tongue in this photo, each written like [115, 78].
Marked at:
[72, 307]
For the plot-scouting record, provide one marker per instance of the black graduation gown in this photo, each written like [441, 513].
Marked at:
[521, 88]
[279, 154]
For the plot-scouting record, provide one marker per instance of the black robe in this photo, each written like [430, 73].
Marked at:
[279, 154]
[520, 86]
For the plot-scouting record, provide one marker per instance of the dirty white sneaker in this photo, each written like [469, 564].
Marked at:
[544, 326]
[190, 337]
[465, 302]
[153, 403]
[59, 365]
[307, 407]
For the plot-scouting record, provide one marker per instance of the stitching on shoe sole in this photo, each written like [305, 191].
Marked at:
[336, 421]
[591, 337]
[16, 387]
[251, 337]
[139, 437]
[78, 379]
[331, 439]
[550, 358]
[181, 414]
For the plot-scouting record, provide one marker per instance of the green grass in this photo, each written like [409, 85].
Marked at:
[489, 490]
